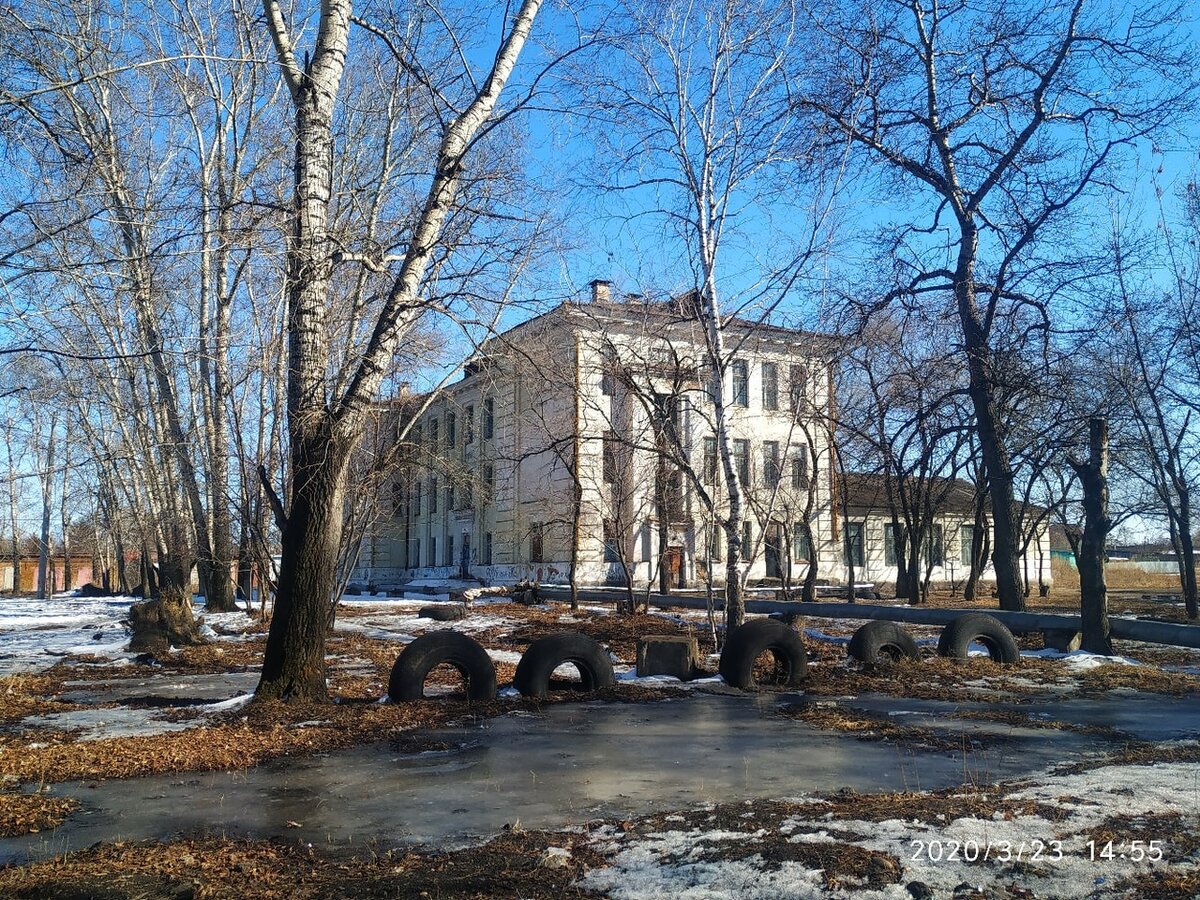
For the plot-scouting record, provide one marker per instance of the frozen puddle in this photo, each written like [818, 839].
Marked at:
[573, 763]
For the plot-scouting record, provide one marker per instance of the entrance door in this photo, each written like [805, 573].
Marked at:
[464, 559]
[771, 546]
[674, 564]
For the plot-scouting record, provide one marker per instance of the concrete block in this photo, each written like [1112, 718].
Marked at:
[1065, 641]
[668, 654]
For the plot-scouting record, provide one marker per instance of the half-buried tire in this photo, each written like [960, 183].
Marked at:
[882, 642]
[744, 644]
[419, 658]
[978, 628]
[547, 653]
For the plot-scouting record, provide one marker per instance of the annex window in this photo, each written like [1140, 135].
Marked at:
[489, 481]
[935, 546]
[451, 430]
[855, 550]
[801, 548]
[537, 547]
[433, 494]
[449, 497]
[489, 418]
[432, 551]
[771, 467]
[741, 383]
[469, 425]
[710, 460]
[434, 431]
[966, 535]
[747, 538]
[714, 541]
[417, 500]
[893, 536]
[770, 386]
[608, 368]
[741, 459]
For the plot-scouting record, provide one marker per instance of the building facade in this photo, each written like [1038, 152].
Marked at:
[585, 439]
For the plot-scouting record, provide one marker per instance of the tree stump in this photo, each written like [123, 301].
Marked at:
[162, 623]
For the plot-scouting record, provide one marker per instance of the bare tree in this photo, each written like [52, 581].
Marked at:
[1001, 117]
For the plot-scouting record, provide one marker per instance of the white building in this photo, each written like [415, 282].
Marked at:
[586, 435]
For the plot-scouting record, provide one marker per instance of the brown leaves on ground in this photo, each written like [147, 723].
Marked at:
[31, 813]
[218, 869]
[869, 726]
[619, 633]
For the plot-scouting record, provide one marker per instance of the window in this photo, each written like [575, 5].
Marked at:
[741, 459]
[469, 425]
[433, 434]
[800, 469]
[798, 388]
[417, 500]
[935, 546]
[432, 551]
[747, 538]
[451, 430]
[489, 481]
[612, 553]
[645, 530]
[433, 493]
[448, 559]
[536, 543]
[770, 386]
[854, 549]
[714, 541]
[801, 549]
[608, 363]
[414, 558]
[449, 497]
[469, 494]
[771, 468]
[966, 534]
[610, 457]
[487, 549]
[894, 535]
[417, 435]
[741, 383]
[710, 460]
[489, 418]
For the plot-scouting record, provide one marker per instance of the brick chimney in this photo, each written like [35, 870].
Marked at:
[601, 291]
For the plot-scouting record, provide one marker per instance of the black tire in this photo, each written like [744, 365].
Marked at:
[978, 628]
[744, 644]
[419, 658]
[443, 612]
[882, 642]
[546, 654]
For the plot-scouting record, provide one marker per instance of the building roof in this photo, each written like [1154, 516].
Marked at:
[869, 491]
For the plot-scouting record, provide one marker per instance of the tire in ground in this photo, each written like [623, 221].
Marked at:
[978, 628]
[453, 648]
[443, 612]
[547, 653]
[882, 642]
[744, 644]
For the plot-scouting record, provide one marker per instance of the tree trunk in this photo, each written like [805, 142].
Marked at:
[809, 592]
[294, 662]
[1187, 556]
[1093, 476]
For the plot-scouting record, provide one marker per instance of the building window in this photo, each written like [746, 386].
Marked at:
[448, 559]
[487, 549]
[770, 386]
[894, 536]
[418, 435]
[801, 548]
[434, 425]
[489, 481]
[741, 383]
[714, 541]
[536, 543]
[935, 546]
[612, 552]
[433, 493]
[608, 368]
[469, 494]
[469, 425]
[489, 418]
[417, 489]
[741, 459]
[800, 469]
[414, 558]
[450, 497]
[451, 430]
[854, 549]
[646, 537]
[798, 389]
[771, 467]
[610, 457]
[710, 460]
[747, 538]
[432, 550]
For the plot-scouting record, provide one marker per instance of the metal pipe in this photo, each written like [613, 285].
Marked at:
[1126, 629]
